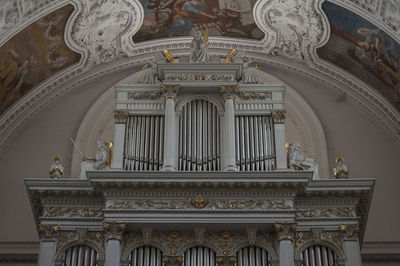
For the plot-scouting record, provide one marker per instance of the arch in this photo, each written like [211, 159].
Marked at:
[261, 244]
[128, 249]
[88, 243]
[190, 98]
[337, 249]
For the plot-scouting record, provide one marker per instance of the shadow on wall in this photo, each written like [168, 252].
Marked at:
[364, 50]
[33, 55]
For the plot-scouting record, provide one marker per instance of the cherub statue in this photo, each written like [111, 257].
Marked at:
[148, 74]
[101, 162]
[340, 170]
[56, 169]
[199, 46]
[297, 161]
[250, 73]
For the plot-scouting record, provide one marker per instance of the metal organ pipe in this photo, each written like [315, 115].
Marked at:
[199, 137]
[255, 143]
[144, 140]
[319, 256]
[80, 256]
[199, 256]
[252, 256]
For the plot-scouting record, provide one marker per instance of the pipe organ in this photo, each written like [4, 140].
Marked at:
[199, 178]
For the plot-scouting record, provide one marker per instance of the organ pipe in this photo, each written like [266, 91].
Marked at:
[199, 256]
[252, 256]
[144, 143]
[80, 256]
[318, 256]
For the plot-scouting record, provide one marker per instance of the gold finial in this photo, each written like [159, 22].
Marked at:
[57, 158]
[145, 66]
[228, 58]
[205, 36]
[339, 159]
[170, 58]
[110, 145]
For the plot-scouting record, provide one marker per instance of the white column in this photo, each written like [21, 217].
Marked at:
[48, 243]
[119, 139]
[228, 134]
[280, 139]
[170, 92]
[47, 253]
[113, 234]
[286, 234]
[351, 244]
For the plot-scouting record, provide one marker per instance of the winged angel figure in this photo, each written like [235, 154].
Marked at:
[100, 27]
[293, 24]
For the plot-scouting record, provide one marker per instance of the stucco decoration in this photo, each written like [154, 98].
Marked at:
[105, 28]
[292, 27]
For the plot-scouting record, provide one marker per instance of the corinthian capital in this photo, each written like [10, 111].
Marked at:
[120, 117]
[226, 260]
[229, 91]
[285, 231]
[170, 91]
[114, 230]
[279, 116]
[172, 260]
[48, 232]
[350, 231]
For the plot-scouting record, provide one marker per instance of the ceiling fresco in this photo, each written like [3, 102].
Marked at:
[33, 55]
[364, 50]
[169, 18]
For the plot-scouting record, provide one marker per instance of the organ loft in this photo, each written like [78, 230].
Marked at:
[199, 174]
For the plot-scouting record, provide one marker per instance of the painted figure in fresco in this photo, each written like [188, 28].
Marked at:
[163, 11]
[101, 162]
[182, 20]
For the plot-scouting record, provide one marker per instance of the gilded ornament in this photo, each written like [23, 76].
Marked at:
[170, 58]
[340, 170]
[199, 202]
[228, 58]
[147, 95]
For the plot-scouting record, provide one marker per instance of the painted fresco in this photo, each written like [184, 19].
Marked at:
[364, 50]
[33, 55]
[170, 18]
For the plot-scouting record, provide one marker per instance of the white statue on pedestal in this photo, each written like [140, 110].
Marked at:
[56, 169]
[297, 161]
[101, 162]
[340, 171]
[250, 73]
[199, 46]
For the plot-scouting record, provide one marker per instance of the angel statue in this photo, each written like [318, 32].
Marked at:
[340, 171]
[199, 46]
[297, 161]
[56, 169]
[101, 162]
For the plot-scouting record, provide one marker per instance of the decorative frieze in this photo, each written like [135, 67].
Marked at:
[199, 77]
[146, 95]
[114, 230]
[255, 95]
[200, 203]
[72, 212]
[326, 212]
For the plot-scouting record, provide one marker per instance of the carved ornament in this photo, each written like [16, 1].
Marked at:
[147, 95]
[285, 231]
[199, 202]
[114, 230]
[170, 91]
[326, 212]
[72, 212]
[48, 232]
[255, 95]
[279, 116]
[350, 231]
[226, 260]
[229, 91]
[199, 77]
[172, 260]
[121, 117]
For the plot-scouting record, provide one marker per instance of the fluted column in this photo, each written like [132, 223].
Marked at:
[48, 244]
[172, 260]
[170, 92]
[113, 234]
[351, 244]
[286, 234]
[280, 139]
[228, 135]
[119, 139]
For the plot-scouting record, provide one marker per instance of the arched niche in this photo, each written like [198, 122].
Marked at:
[302, 125]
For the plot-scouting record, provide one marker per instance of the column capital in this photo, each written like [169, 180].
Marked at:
[172, 260]
[48, 232]
[120, 116]
[279, 116]
[226, 260]
[113, 230]
[170, 91]
[350, 231]
[229, 91]
[286, 231]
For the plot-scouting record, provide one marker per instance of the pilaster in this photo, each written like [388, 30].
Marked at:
[113, 232]
[120, 118]
[170, 92]
[48, 234]
[286, 235]
[280, 139]
[351, 244]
